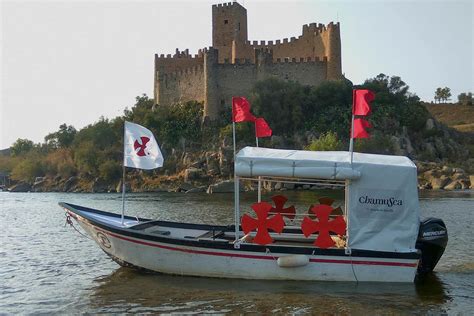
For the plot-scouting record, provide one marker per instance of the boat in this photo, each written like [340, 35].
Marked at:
[375, 236]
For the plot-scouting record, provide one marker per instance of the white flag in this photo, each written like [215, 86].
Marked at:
[140, 149]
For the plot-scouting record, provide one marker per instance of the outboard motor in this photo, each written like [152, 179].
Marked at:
[432, 240]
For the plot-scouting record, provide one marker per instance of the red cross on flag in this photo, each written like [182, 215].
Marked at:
[140, 149]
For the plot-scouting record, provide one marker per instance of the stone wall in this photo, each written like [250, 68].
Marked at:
[181, 86]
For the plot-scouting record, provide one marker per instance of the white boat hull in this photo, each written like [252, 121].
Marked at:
[178, 259]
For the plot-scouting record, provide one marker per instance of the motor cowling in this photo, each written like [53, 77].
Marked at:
[432, 241]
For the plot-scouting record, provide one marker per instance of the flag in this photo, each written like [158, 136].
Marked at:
[361, 102]
[140, 149]
[241, 110]
[359, 128]
[261, 128]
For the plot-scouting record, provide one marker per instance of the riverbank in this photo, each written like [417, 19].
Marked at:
[431, 176]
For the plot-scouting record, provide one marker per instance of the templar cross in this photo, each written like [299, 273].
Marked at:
[280, 201]
[262, 223]
[323, 226]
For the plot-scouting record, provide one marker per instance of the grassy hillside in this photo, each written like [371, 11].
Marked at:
[460, 117]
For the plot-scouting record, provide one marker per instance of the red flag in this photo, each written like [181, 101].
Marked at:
[261, 128]
[241, 110]
[361, 102]
[359, 128]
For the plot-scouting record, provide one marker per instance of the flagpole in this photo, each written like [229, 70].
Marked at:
[236, 191]
[123, 175]
[351, 143]
[259, 190]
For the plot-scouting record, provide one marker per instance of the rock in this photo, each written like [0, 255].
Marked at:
[306, 186]
[70, 184]
[197, 190]
[289, 186]
[459, 170]
[192, 174]
[98, 186]
[21, 187]
[278, 186]
[447, 170]
[429, 125]
[38, 185]
[439, 183]
[268, 185]
[454, 185]
[465, 184]
[223, 187]
[459, 176]
[39, 179]
[185, 187]
[226, 156]
[471, 179]
[118, 188]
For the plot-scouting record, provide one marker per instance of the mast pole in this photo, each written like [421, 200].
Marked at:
[351, 143]
[259, 197]
[236, 193]
[123, 175]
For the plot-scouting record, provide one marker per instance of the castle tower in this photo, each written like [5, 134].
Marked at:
[211, 109]
[229, 23]
[333, 50]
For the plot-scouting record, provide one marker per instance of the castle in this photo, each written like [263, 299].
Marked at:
[232, 65]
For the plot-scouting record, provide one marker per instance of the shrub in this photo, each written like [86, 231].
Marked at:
[326, 142]
[376, 144]
[110, 171]
[27, 170]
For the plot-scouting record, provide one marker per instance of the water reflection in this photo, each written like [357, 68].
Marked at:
[134, 291]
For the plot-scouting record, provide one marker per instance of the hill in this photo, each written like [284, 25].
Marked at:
[459, 117]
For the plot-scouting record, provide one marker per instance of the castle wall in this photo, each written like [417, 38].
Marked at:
[316, 40]
[181, 86]
[238, 79]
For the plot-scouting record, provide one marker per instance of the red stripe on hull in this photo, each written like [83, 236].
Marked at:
[222, 254]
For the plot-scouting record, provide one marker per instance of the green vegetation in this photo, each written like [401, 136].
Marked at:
[465, 98]
[442, 94]
[317, 118]
[326, 142]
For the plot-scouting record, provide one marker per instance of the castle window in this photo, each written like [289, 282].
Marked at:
[226, 21]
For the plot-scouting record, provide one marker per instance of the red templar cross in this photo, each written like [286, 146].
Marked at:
[323, 226]
[141, 147]
[280, 201]
[262, 223]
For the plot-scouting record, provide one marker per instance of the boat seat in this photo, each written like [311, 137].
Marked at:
[159, 232]
[218, 240]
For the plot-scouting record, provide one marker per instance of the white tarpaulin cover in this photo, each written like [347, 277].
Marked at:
[382, 192]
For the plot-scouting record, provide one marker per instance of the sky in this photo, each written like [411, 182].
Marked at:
[75, 61]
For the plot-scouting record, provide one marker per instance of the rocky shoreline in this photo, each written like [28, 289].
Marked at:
[431, 176]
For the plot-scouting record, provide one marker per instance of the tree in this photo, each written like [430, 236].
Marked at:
[465, 98]
[21, 147]
[62, 138]
[446, 92]
[442, 94]
[438, 94]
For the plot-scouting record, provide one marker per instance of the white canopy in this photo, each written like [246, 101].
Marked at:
[382, 197]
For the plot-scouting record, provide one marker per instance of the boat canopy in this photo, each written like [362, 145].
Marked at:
[381, 191]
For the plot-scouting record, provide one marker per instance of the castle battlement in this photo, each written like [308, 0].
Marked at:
[234, 63]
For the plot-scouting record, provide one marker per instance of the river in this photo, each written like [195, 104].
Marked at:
[47, 267]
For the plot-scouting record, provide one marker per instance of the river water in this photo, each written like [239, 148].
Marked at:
[47, 267]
